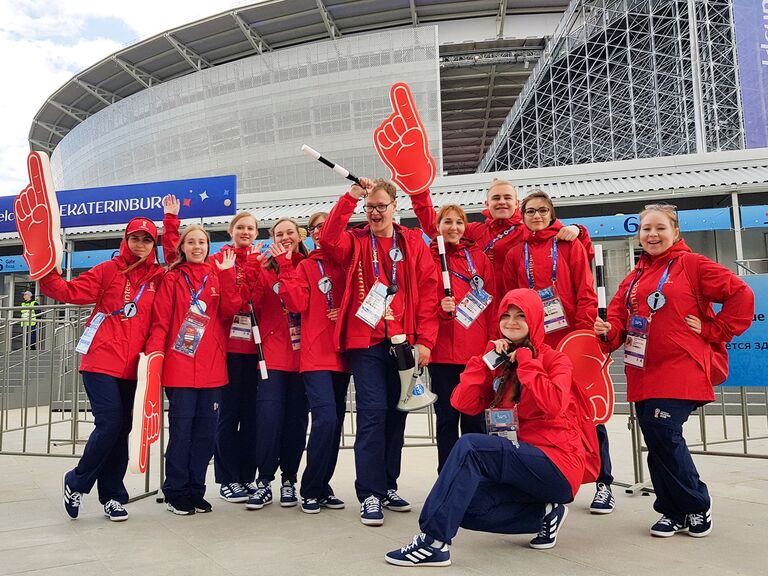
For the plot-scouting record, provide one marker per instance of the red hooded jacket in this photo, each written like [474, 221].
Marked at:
[673, 348]
[575, 283]
[272, 314]
[119, 340]
[352, 249]
[547, 411]
[208, 367]
[299, 290]
[456, 344]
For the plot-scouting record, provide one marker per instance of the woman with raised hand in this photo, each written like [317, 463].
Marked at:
[662, 315]
[467, 321]
[517, 478]
[122, 291]
[281, 403]
[197, 297]
[314, 288]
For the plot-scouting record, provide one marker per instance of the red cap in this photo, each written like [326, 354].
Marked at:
[142, 224]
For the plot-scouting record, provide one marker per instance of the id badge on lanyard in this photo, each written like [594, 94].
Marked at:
[471, 306]
[241, 327]
[637, 341]
[554, 314]
[503, 422]
[294, 329]
[191, 333]
[373, 308]
[84, 344]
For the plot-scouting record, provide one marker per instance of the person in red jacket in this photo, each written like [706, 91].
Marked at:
[282, 414]
[122, 291]
[462, 333]
[502, 228]
[314, 289]
[561, 274]
[194, 301]
[656, 314]
[390, 289]
[517, 478]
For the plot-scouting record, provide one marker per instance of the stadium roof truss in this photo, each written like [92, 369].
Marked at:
[490, 74]
[627, 79]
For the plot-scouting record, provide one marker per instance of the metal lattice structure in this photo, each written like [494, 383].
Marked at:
[624, 79]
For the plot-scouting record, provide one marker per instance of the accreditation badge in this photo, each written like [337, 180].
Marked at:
[241, 327]
[502, 422]
[471, 306]
[84, 344]
[554, 315]
[294, 329]
[191, 333]
[637, 341]
[374, 306]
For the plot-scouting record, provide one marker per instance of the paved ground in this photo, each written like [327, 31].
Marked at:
[36, 538]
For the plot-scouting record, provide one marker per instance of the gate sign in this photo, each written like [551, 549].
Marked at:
[200, 197]
[628, 225]
[751, 26]
[748, 353]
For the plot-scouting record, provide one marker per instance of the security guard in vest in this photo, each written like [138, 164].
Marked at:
[29, 318]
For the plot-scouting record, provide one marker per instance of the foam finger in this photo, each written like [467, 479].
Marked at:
[402, 102]
[36, 171]
[382, 140]
[390, 132]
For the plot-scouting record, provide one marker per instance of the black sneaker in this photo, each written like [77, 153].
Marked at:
[310, 505]
[554, 516]
[181, 506]
[72, 500]
[395, 503]
[700, 524]
[603, 502]
[201, 504]
[115, 512]
[233, 492]
[331, 502]
[261, 497]
[666, 527]
[288, 496]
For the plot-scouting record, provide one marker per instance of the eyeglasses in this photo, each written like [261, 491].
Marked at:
[314, 227]
[534, 211]
[380, 208]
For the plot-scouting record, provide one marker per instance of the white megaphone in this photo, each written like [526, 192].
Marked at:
[414, 394]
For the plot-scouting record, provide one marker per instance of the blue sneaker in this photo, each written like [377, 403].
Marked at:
[310, 505]
[666, 527]
[700, 524]
[603, 502]
[395, 503]
[251, 488]
[115, 512]
[554, 516]
[288, 496]
[72, 500]
[233, 492]
[370, 511]
[261, 498]
[421, 552]
[331, 502]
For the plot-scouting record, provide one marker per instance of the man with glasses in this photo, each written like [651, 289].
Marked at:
[391, 289]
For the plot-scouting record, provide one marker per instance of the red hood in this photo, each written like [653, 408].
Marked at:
[196, 272]
[529, 302]
[544, 235]
[316, 254]
[450, 248]
[503, 223]
[126, 258]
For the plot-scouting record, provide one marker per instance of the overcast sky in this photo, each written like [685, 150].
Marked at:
[44, 44]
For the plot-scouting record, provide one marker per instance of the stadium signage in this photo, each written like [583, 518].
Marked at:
[751, 27]
[200, 198]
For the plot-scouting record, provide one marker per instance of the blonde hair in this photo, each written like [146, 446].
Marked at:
[668, 210]
[386, 185]
[500, 182]
[272, 264]
[181, 257]
[239, 216]
[446, 208]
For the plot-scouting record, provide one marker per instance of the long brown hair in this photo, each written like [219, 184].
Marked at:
[509, 387]
[181, 257]
[272, 264]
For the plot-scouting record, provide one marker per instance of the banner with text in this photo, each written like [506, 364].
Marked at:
[748, 353]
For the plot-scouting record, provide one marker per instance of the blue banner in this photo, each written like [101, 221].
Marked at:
[754, 216]
[628, 225]
[751, 26]
[200, 197]
[748, 353]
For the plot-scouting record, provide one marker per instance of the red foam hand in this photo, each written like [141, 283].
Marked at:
[401, 142]
[37, 218]
[146, 411]
[590, 371]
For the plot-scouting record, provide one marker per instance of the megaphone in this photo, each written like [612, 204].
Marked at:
[414, 394]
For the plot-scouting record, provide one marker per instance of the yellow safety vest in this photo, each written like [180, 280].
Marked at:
[29, 317]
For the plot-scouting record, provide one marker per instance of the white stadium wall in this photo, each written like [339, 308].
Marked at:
[251, 116]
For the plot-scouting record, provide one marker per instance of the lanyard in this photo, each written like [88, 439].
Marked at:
[633, 285]
[134, 301]
[196, 295]
[529, 268]
[474, 279]
[376, 258]
[499, 237]
[328, 297]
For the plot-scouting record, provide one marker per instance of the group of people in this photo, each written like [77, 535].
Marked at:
[515, 285]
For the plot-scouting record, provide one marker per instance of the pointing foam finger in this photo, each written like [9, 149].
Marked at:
[402, 103]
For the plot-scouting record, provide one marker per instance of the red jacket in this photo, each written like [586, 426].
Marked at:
[208, 367]
[484, 233]
[456, 344]
[673, 349]
[546, 409]
[235, 345]
[272, 314]
[352, 249]
[119, 340]
[299, 290]
[575, 284]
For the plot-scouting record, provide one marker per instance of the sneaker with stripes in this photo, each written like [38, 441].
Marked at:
[370, 511]
[422, 551]
[72, 500]
[666, 527]
[554, 516]
[699, 524]
[394, 502]
[288, 496]
[233, 492]
[603, 502]
[115, 512]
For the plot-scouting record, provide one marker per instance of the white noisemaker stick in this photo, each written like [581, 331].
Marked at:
[602, 306]
[257, 340]
[340, 170]
[444, 266]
